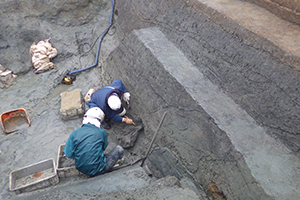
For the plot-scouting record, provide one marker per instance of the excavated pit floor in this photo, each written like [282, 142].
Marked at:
[240, 150]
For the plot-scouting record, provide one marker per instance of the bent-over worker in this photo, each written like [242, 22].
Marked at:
[88, 143]
[109, 99]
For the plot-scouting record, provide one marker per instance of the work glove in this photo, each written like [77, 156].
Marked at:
[126, 96]
[89, 95]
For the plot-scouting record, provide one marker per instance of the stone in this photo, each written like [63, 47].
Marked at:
[72, 104]
[129, 136]
[6, 77]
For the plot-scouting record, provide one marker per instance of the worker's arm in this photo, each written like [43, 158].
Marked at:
[114, 117]
[69, 148]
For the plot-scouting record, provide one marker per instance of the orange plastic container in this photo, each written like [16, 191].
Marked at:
[11, 120]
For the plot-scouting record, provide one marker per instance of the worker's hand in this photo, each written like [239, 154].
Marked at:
[126, 96]
[128, 120]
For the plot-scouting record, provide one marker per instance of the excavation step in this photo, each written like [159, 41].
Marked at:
[271, 164]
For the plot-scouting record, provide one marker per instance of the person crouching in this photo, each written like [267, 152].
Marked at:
[88, 143]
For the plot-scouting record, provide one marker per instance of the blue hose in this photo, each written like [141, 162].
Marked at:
[99, 42]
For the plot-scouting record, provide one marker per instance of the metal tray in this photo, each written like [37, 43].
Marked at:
[33, 177]
[65, 166]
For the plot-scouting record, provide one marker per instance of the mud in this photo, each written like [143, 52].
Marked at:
[32, 178]
[66, 162]
[23, 23]
[190, 144]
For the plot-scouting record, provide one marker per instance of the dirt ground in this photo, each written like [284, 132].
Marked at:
[257, 75]
[39, 94]
[23, 23]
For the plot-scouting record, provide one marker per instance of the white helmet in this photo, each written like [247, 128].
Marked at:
[95, 112]
[114, 102]
[93, 116]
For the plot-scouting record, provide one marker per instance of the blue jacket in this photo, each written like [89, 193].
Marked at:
[87, 144]
[99, 99]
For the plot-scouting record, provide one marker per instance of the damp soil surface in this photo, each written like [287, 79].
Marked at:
[74, 28]
[256, 74]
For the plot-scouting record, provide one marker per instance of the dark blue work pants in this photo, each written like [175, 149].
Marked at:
[112, 157]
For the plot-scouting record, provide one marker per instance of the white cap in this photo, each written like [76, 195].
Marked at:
[114, 102]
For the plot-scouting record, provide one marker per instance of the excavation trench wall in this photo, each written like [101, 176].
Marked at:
[250, 71]
[254, 77]
[255, 73]
[188, 131]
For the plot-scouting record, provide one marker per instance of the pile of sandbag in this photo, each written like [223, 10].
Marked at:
[6, 77]
[42, 53]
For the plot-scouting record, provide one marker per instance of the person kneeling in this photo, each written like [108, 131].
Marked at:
[88, 143]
